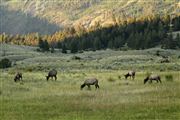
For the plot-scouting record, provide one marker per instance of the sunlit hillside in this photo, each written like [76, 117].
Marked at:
[88, 12]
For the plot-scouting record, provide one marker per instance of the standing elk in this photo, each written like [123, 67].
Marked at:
[157, 78]
[130, 74]
[52, 73]
[18, 77]
[89, 82]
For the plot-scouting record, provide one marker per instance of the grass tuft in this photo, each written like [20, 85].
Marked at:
[169, 77]
[110, 79]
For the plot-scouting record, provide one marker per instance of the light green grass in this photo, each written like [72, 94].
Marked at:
[63, 99]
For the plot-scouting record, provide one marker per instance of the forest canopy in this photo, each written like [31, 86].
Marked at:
[130, 34]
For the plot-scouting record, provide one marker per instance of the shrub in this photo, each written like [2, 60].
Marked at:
[5, 63]
[76, 58]
[158, 53]
[29, 69]
[169, 77]
[110, 79]
[119, 77]
[38, 50]
[52, 50]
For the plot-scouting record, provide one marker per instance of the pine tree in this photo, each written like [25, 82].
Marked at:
[178, 40]
[64, 49]
[41, 43]
[59, 45]
[46, 46]
[110, 44]
[74, 46]
[97, 44]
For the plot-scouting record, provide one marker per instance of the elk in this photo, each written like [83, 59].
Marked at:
[157, 78]
[52, 73]
[89, 82]
[18, 77]
[130, 74]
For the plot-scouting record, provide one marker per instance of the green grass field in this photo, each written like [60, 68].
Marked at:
[117, 98]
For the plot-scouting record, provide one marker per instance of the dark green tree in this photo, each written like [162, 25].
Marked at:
[41, 44]
[46, 46]
[5, 63]
[97, 44]
[64, 49]
[59, 45]
[74, 46]
[178, 40]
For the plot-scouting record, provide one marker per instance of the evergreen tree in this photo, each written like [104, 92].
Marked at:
[169, 42]
[172, 42]
[110, 44]
[59, 45]
[176, 23]
[41, 43]
[64, 49]
[97, 43]
[178, 40]
[74, 46]
[130, 40]
[46, 46]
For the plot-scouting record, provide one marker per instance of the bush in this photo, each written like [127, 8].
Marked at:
[5, 63]
[52, 50]
[110, 79]
[119, 77]
[158, 53]
[169, 77]
[76, 58]
[38, 50]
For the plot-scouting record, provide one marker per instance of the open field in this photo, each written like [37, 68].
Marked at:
[117, 98]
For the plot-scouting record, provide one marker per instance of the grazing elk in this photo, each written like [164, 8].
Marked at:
[152, 77]
[18, 77]
[52, 73]
[91, 81]
[130, 74]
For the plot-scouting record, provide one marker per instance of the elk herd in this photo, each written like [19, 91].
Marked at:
[94, 81]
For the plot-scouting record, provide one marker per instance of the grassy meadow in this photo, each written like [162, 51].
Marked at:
[117, 98]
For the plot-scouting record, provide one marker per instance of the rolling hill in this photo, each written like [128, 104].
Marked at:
[86, 13]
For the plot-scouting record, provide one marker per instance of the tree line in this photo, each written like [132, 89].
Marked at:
[127, 34]
[135, 35]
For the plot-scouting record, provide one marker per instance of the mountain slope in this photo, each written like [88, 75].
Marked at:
[89, 12]
[16, 22]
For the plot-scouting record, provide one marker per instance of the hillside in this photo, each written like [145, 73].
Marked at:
[27, 57]
[16, 22]
[87, 13]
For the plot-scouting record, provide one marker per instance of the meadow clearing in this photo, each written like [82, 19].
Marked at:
[117, 98]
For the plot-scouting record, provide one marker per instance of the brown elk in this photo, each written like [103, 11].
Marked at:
[52, 73]
[18, 77]
[89, 82]
[157, 78]
[130, 74]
